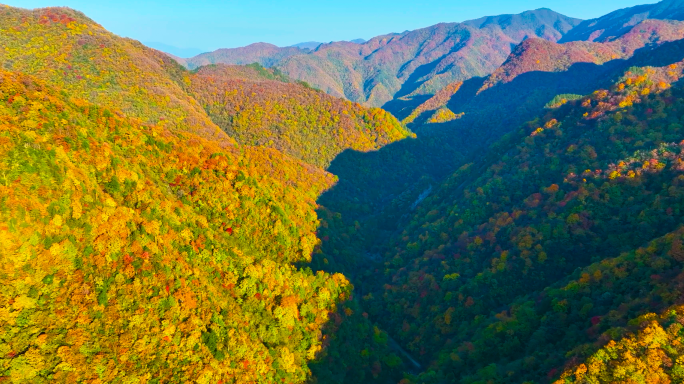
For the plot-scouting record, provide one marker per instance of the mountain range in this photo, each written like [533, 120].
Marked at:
[514, 213]
[402, 64]
[616, 23]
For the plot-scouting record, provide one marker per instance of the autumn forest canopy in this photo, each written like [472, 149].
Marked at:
[494, 201]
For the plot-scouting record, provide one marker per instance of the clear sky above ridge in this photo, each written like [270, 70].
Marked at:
[212, 24]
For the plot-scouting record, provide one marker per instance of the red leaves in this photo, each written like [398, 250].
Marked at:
[552, 373]
[229, 230]
[52, 16]
[469, 302]
[167, 289]
[176, 182]
[595, 320]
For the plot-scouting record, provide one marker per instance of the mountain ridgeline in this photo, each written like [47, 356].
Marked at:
[405, 64]
[259, 108]
[513, 214]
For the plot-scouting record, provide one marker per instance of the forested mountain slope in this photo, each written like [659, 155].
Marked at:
[421, 61]
[133, 253]
[395, 176]
[68, 49]
[653, 354]
[597, 177]
[410, 63]
[165, 225]
[265, 54]
[257, 109]
[615, 24]
[138, 240]
[539, 70]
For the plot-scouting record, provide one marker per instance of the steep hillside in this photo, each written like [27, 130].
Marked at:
[252, 72]
[544, 56]
[615, 24]
[69, 50]
[384, 185]
[132, 253]
[160, 224]
[265, 54]
[475, 274]
[250, 105]
[653, 355]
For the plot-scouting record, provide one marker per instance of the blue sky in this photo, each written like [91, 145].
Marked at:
[212, 24]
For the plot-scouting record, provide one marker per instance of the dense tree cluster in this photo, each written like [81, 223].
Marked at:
[594, 179]
[132, 252]
[69, 50]
[162, 225]
[527, 261]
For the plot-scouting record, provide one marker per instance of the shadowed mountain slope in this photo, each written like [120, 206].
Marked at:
[539, 70]
[481, 272]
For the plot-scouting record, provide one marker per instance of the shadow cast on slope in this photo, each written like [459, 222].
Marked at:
[401, 108]
[378, 191]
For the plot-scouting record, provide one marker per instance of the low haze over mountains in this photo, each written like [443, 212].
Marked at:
[494, 201]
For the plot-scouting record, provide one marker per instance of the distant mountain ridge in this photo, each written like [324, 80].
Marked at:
[307, 45]
[401, 70]
[400, 64]
[421, 61]
[616, 23]
[265, 54]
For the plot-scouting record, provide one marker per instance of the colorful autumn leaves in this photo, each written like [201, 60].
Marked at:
[108, 269]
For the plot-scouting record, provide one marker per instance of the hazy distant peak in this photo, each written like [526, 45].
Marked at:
[261, 45]
[312, 45]
[560, 21]
[307, 45]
